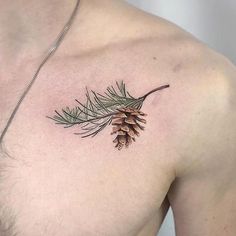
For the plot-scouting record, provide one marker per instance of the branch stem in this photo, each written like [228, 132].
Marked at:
[154, 90]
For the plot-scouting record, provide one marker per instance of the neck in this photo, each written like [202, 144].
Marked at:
[31, 25]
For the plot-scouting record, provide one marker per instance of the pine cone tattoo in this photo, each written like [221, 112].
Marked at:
[126, 125]
[115, 107]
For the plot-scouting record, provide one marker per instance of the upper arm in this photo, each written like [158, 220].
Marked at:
[204, 191]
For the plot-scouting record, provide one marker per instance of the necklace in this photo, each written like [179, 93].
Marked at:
[52, 49]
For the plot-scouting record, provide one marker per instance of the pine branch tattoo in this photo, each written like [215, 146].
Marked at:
[115, 107]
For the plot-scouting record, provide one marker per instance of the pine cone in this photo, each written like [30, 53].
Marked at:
[126, 124]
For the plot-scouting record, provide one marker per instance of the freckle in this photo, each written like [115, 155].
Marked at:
[177, 67]
[154, 58]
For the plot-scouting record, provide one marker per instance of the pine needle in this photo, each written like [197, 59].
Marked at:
[97, 112]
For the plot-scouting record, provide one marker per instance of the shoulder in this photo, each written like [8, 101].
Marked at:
[186, 61]
[203, 110]
[199, 109]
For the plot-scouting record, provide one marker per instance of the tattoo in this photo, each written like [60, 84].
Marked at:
[115, 107]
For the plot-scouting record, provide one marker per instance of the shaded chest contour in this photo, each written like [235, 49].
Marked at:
[90, 196]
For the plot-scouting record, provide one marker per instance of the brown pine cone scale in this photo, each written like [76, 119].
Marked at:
[126, 125]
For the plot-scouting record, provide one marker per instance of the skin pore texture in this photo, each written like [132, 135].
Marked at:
[53, 182]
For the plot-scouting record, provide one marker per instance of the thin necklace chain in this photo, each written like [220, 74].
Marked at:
[48, 55]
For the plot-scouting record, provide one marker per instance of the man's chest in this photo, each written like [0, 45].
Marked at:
[85, 192]
[61, 184]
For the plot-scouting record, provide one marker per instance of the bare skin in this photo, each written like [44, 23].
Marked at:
[55, 183]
